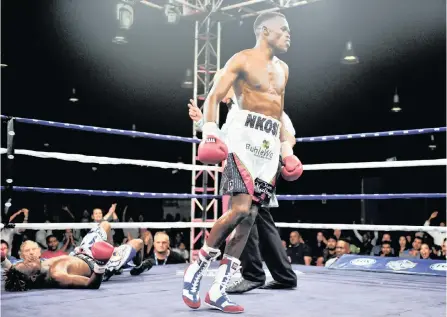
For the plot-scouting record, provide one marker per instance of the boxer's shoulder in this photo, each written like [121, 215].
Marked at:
[283, 65]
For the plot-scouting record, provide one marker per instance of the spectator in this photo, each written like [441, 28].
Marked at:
[386, 249]
[86, 216]
[69, 242]
[14, 236]
[41, 237]
[148, 240]
[403, 246]
[343, 247]
[415, 251]
[337, 233]
[53, 248]
[318, 247]
[329, 252]
[284, 244]
[5, 250]
[29, 252]
[97, 216]
[438, 237]
[367, 242]
[378, 248]
[298, 252]
[425, 252]
[162, 254]
[443, 253]
[182, 251]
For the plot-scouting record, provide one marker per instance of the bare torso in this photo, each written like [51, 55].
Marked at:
[67, 264]
[261, 84]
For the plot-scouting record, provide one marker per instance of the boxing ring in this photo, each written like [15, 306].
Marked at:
[321, 291]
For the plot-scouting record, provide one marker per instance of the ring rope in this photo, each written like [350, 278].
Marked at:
[112, 193]
[185, 225]
[157, 136]
[190, 167]
[111, 161]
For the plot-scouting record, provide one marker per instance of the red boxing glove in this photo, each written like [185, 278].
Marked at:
[212, 150]
[292, 168]
[101, 253]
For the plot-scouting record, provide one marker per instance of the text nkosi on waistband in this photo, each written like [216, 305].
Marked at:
[261, 123]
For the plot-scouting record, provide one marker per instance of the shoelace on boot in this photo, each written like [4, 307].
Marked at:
[198, 276]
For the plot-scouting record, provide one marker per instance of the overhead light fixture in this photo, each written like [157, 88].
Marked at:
[396, 104]
[172, 13]
[73, 97]
[349, 57]
[188, 81]
[125, 17]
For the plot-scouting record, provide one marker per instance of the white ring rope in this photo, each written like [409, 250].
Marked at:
[112, 161]
[184, 225]
[181, 166]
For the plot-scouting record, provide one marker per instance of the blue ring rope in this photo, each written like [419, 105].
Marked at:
[112, 193]
[156, 136]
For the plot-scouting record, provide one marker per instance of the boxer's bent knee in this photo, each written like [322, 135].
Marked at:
[137, 244]
[106, 226]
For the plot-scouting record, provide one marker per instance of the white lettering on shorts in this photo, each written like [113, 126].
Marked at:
[262, 187]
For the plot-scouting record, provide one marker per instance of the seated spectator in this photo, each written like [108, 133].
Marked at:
[69, 242]
[53, 248]
[378, 248]
[342, 248]
[5, 250]
[403, 246]
[148, 241]
[41, 237]
[329, 252]
[426, 254]
[162, 254]
[181, 249]
[29, 252]
[415, 251]
[443, 253]
[298, 252]
[318, 247]
[386, 249]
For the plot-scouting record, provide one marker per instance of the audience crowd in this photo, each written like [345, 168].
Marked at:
[307, 247]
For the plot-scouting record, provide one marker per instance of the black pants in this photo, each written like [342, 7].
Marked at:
[264, 239]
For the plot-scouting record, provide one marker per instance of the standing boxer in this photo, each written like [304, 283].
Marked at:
[264, 238]
[256, 138]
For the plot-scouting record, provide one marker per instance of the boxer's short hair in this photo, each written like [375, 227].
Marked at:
[263, 17]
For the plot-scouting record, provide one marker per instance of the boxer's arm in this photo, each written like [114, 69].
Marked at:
[222, 85]
[283, 134]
